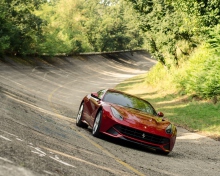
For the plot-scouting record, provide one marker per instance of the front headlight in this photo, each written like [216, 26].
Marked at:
[116, 114]
[169, 129]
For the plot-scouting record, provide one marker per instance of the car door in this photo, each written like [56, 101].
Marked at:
[93, 104]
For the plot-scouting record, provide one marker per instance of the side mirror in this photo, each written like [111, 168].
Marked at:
[95, 95]
[160, 114]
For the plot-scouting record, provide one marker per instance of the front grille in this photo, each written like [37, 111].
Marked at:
[137, 134]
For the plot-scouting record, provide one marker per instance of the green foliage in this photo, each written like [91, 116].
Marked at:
[112, 27]
[202, 70]
[20, 28]
[62, 30]
[198, 76]
[81, 26]
[203, 79]
[168, 24]
[169, 29]
[205, 13]
[214, 40]
[156, 74]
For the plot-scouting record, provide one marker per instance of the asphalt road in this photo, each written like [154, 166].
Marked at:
[39, 101]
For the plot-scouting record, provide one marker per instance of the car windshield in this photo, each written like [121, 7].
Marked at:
[129, 101]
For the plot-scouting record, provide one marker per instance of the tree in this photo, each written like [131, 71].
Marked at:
[21, 27]
[111, 27]
[174, 28]
[82, 25]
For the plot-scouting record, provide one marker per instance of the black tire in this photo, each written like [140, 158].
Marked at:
[97, 124]
[79, 122]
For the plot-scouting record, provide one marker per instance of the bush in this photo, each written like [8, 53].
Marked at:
[160, 77]
[203, 70]
[206, 83]
[198, 76]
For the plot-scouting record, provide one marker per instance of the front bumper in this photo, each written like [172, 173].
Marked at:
[139, 137]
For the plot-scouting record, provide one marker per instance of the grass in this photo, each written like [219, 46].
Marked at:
[185, 111]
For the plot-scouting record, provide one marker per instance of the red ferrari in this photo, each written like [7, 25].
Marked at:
[124, 116]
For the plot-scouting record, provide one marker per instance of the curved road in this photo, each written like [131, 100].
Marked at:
[39, 101]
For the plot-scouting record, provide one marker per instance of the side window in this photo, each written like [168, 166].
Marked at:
[101, 93]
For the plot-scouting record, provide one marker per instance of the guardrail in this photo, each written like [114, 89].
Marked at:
[99, 53]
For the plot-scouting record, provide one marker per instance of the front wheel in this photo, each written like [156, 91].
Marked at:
[97, 124]
[79, 122]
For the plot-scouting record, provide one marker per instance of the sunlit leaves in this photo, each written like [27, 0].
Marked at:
[168, 23]
[21, 28]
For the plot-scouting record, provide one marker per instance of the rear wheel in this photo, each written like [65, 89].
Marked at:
[79, 118]
[97, 124]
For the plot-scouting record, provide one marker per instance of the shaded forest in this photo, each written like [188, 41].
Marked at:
[67, 26]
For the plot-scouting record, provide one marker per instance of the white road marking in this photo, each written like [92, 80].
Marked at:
[6, 160]
[41, 155]
[57, 159]
[8, 133]
[38, 151]
[19, 139]
[47, 172]
[5, 138]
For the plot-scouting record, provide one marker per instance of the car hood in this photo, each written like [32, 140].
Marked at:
[141, 120]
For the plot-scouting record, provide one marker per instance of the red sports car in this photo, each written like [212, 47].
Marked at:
[124, 116]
